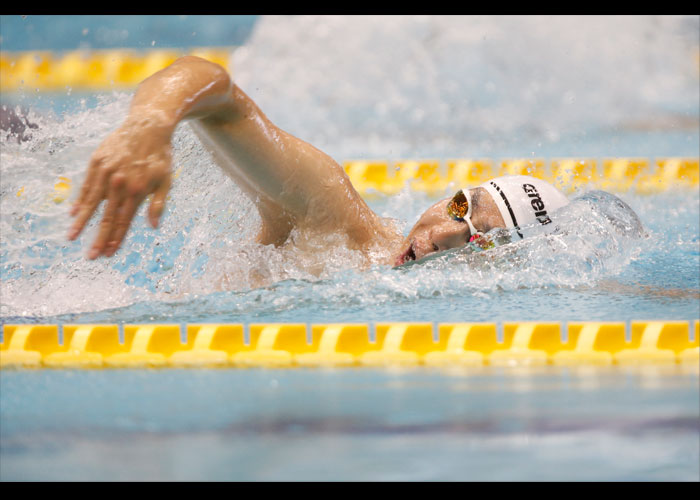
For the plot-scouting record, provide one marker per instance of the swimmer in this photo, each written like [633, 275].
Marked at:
[293, 185]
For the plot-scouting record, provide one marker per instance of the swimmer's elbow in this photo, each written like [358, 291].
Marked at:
[215, 71]
[206, 76]
[191, 86]
[191, 74]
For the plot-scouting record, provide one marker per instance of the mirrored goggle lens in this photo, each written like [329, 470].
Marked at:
[457, 207]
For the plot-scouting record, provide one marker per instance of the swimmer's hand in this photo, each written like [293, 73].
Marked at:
[134, 161]
[131, 164]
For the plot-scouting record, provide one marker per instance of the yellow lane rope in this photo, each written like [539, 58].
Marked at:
[434, 177]
[659, 343]
[93, 69]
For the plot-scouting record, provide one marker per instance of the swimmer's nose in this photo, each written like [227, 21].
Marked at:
[405, 256]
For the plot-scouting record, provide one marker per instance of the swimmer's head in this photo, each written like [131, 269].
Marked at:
[435, 231]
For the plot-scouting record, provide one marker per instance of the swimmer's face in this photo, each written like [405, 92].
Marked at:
[434, 232]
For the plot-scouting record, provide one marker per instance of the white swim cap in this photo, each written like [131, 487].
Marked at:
[524, 200]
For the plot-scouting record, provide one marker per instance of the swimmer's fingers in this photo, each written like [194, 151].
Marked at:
[125, 215]
[94, 193]
[115, 198]
[128, 196]
[158, 203]
[92, 171]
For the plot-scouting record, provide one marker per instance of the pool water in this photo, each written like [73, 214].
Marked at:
[631, 93]
[350, 425]
[174, 274]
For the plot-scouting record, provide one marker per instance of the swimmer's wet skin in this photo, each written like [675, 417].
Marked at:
[293, 185]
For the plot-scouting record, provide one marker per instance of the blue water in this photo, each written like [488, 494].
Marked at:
[349, 425]
[63, 32]
[610, 87]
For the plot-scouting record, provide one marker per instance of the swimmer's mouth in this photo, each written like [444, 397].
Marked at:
[408, 255]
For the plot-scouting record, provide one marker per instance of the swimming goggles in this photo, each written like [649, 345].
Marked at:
[460, 208]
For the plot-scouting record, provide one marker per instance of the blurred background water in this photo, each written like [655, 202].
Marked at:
[93, 32]
[360, 86]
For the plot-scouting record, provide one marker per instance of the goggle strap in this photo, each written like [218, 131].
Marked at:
[468, 216]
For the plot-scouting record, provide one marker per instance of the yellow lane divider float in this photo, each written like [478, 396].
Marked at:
[435, 177]
[372, 177]
[93, 69]
[350, 345]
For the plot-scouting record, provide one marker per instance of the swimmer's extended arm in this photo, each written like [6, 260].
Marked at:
[292, 183]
